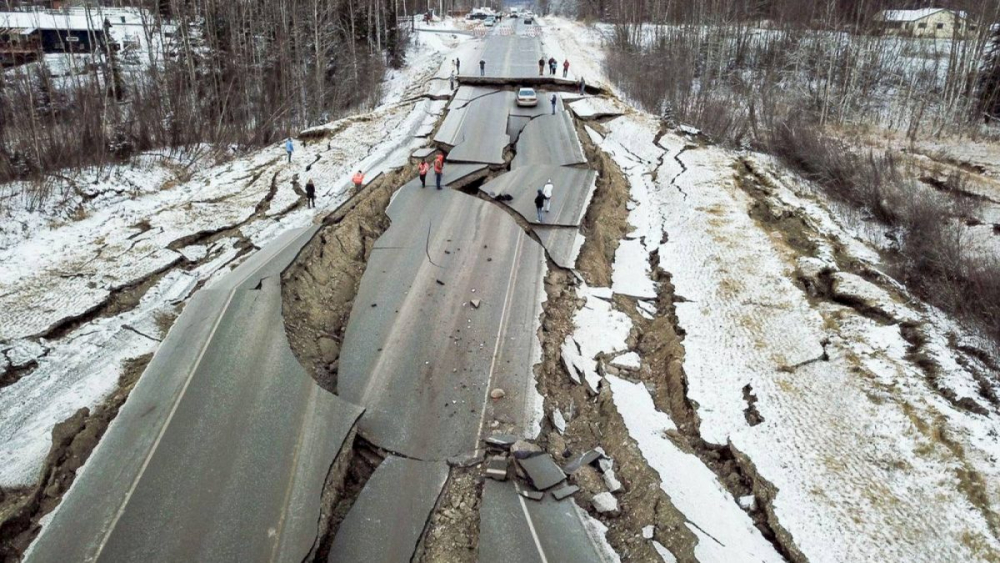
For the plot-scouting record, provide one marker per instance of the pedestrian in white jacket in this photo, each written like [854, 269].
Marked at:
[547, 192]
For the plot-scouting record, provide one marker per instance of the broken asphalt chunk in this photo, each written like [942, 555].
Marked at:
[564, 491]
[542, 471]
[533, 495]
[476, 303]
[504, 441]
[580, 461]
[496, 468]
[522, 449]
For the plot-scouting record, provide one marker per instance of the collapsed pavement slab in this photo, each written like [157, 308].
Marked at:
[223, 404]
[422, 402]
[512, 528]
[547, 140]
[542, 471]
[573, 189]
[386, 521]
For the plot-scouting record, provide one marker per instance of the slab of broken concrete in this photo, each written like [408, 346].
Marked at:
[386, 521]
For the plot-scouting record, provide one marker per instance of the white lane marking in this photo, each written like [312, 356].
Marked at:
[496, 349]
[306, 415]
[163, 429]
[531, 526]
[173, 410]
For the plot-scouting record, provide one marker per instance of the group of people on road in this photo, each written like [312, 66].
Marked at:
[543, 200]
[458, 70]
[552, 63]
[543, 197]
[423, 168]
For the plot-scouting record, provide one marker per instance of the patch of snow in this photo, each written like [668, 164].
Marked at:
[596, 107]
[600, 329]
[558, 421]
[598, 533]
[692, 488]
[664, 553]
[629, 360]
[631, 273]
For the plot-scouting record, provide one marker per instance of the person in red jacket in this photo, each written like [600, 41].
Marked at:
[359, 178]
[565, 68]
[422, 169]
[439, 169]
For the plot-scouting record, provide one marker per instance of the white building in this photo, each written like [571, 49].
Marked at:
[937, 23]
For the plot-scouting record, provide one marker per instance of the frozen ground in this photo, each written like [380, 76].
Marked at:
[876, 433]
[87, 253]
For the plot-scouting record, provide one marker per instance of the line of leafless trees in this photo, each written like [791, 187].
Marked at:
[219, 72]
[762, 59]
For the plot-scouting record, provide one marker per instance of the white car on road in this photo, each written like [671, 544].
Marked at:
[526, 97]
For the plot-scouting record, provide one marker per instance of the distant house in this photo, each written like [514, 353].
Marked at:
[19, 46]
[937, 23]
[48, 33]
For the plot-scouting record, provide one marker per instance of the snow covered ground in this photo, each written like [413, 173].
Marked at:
[877, 436]
[113, 230]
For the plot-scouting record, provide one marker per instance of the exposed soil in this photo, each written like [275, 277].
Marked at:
[72, 442]
[452, 534]
[318, 290]
[594, 421]
[347, 478]
[606, 222]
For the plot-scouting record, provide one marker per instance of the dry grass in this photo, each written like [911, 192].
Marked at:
[932, 256]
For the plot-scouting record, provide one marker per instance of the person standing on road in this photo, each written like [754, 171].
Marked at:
[539, 202]
[439, 169]
[552, 65]
[422, 169]
[310, 194]
[482, 68]
[358, 179]
[451, 80]
[565, 68]
[458, 66]
[547, 194]
[289, 148]
[583, 86]
[541, 66]
[553, 100]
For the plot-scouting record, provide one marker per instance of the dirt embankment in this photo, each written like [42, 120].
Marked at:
[593, 421]
[318, 290]
[73, 440]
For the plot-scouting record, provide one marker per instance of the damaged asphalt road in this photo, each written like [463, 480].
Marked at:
[224, 450]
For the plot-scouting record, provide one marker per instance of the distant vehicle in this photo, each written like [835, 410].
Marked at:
[528, 19]
[526, 97]
[490, 21]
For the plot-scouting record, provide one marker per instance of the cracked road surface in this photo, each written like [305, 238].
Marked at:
[221, 451]
[417, 353]
[448, 309]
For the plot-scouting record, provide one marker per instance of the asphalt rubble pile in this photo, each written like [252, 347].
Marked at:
[538, 473]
